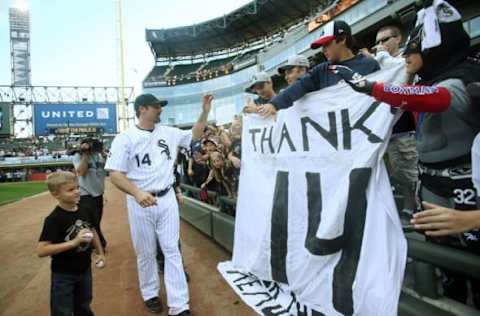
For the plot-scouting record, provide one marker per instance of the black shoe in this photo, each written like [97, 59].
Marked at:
[184, 313]
[154, 305]
[161, 270]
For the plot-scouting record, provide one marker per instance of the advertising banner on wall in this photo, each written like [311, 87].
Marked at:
[78, 118]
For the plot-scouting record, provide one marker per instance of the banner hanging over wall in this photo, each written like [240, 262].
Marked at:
[317, 231]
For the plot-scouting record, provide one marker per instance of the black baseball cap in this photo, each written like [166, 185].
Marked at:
[148, 100]
[331, 31]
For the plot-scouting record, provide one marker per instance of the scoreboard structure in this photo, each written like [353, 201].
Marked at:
[46, 110]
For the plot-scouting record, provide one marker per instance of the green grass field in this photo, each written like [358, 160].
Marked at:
[14, 191]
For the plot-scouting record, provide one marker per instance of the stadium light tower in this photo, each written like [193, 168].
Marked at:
[19, 19]
[21, 5]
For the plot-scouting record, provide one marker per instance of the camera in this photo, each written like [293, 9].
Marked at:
[94, 144]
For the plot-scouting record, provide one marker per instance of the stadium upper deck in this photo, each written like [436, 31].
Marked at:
[244, 26]
[220, 56]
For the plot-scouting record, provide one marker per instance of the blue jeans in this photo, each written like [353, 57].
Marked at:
[71, 294]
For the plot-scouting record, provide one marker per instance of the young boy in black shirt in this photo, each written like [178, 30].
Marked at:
[67, 236]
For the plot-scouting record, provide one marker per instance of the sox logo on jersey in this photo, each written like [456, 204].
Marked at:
[165, 149]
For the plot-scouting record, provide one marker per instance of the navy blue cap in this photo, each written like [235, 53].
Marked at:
[148, 100]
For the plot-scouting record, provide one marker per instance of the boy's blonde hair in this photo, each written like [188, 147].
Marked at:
[56, 179]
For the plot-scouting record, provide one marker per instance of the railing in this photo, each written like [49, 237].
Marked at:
[428, 256]
[423, 299]
[195, 192]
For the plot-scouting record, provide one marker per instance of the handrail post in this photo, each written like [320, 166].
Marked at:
[425, 280]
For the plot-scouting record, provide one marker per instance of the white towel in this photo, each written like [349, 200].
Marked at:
[439, 12]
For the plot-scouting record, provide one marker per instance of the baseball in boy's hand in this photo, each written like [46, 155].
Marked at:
[88, 236]
[84, 236]
[100, 264]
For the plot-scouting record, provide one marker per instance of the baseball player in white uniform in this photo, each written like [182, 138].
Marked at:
[141, 163]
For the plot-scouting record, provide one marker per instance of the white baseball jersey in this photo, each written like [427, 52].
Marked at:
[147, 157]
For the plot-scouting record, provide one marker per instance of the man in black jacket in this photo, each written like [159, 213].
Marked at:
[337, 44]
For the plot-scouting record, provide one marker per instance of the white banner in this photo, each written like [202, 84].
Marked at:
[315, 212]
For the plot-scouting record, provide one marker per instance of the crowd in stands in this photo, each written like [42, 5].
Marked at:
[37, 147]
[430, 152]
[13, 175]
[22, 174]
[32, 147]
[200, 71]
[22, 159]
[213, 164]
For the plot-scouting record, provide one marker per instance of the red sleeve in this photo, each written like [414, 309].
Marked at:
[413, 98]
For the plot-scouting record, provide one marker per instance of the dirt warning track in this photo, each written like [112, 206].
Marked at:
[25, 278]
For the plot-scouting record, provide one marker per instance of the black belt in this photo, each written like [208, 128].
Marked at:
[161, 192]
